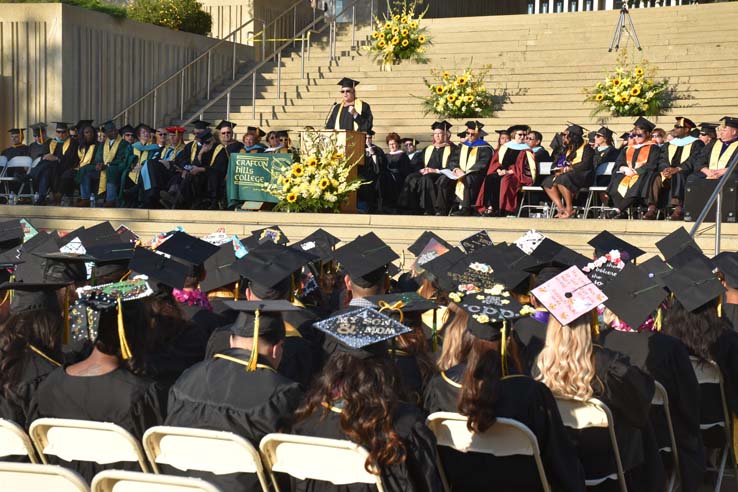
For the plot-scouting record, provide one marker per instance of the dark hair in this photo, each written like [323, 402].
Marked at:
[81, 135]
[392, 136]
[136, 326]
[369, 389]
[575, 141]
[536, 134]
[416, 344]
[41, 328]
[698, 329]
[481, 388]
[165, 321]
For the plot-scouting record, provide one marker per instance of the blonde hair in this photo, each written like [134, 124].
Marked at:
[565, 364]
[456, 341]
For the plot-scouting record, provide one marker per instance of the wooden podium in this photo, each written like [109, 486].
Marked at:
[351, 144]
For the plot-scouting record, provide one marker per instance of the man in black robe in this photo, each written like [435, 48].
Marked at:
[17, 147]
[351, 113]
[239, 389]
[39, 146]
[228, 137]
[203, 184]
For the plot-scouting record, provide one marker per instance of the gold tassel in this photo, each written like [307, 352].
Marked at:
[11, 292]
[6, 297]
[125, 276]
[65, 334]
[434, 336]
[292, 287]
[657, 322]
[253, 359]
[236, 289]
[125, 350]
[503, 348]
[720, 306]
[595, 323]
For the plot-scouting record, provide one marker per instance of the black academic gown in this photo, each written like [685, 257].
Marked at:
[61, 172]
[528, 402]
[666, 359]
[530, 336]
[411, 378]
[369, 173]
[234, 147]
[220, 394]
[16, 406]
[37, 149]
[16, 151]
[120, 397]
[634, 189]
[683, 158]
[417, 473]
[730, 313]
[581, 174]
[474, 160]
[391, 179]
[608, 154]
[419, 190]
[363, 122]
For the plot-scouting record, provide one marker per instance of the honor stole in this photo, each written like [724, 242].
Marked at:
[720, 161]
[65, 146]
[358, 105]
[466, 154]
[109, 152]
[628, 181]
[444, 157]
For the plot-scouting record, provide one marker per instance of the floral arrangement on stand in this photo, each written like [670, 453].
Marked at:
[398, 36]
[460, 95]
[632, 89]
[319, 182]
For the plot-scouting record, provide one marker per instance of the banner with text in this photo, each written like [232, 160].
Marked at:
[249, 173]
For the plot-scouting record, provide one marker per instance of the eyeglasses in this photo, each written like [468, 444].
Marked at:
[637, 135]
[520, 134]
[530, 137]
[679, 126]
[346, 91]
[162, 134]
[226, 133]
[61, 131]
[128, 134]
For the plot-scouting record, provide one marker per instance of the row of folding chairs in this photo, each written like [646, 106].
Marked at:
[19, 162]
[304, 457]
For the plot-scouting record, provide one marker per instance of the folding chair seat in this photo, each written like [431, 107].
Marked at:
[32, 477]
[544, 169]
[15, 442]
[594, 191]
[127, 481]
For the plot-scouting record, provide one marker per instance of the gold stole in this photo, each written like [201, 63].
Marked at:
[109, 152]
[193, 153]
[578, 155]
[85, 157]
[143, 156]
[686, 150]
[358, 105]
[465, 155]
[628, 181]
[429, 152]
[718, 161]
[528, 154]
[65, 147]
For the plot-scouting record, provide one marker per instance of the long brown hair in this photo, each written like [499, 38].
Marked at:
[481, 386]
[456, 339]
[368, 390]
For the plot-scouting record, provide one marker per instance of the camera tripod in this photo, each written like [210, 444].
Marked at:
[621, 27]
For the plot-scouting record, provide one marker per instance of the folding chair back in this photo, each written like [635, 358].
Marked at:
[27, 477]
[593, 413]
[85, 440]
[18, 162]
[605, 169]
[216, 452]
[3, 164]
[661, 399]
[507, 437]
[304, 457]
[21, 161]
[544, 169]
[126, 481]
[14, 441]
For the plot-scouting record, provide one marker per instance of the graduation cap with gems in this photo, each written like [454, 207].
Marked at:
[633, 295]
[475, 273]
[569, 295]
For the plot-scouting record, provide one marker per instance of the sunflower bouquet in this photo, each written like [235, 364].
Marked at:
[632, 89]
[459, 95]
[398, 36]
[319, 182]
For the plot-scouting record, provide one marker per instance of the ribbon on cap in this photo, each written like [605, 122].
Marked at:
[254, 357]
[236, 289]
[396, 307]
[125, 349]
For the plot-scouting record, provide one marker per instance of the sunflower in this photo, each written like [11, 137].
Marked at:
[395, 30]
[375, 35]
[468, 99]
[413, 25]
[440, 89]
[298, 170]
[287, 181]
[451, 98]
[616, 82]
[635, 91]
[381, 43]
[599, 97]
[445, 75]
[388, 25]
[403, 19]
[624, 99]
[461, 80]
[421, 39]
[639, 71]
[291, 197]
[312, 161]
[404, 33]
[395, 40]
[323, 184]
[397, 17]
[381, 35]
[404, 43]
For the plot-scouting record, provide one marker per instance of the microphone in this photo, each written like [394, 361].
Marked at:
[325, 124]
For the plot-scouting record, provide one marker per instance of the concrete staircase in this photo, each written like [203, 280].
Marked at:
[540, 62]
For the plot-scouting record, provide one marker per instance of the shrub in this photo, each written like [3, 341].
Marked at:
[180, 15]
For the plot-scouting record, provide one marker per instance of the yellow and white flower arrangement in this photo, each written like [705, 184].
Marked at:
[632, 89]
[460, 95]
[398, 36]
[319, 182]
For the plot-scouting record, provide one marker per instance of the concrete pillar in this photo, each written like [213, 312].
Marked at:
[537, 7]
[608, 4]
[550, 6]
[581, 6]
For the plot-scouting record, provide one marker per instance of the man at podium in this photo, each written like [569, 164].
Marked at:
[351, 113]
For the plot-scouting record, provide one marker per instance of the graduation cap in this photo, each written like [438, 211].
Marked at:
[413, 141]
[676, 242]
[689, 255]
[256, 130]
[38, 129]
[442, 125]
[709, 129]
[61, 267]
[62, 125]
[282, 134]
[83, 123]
[320, 243]
[545, 274]
[33, 296]
[371, 133]
[625, 136]
[201, 125]
[432, 250]
[461, 134]
[476, 272]
[591, 136]
[15, 131]
[694, 285]
[727, 263]
[683, 122]
[518, 128]
[11, 234]
[476, 241]
[503, 132]
[422, 241]
[362, 331]
[268, 265]
[633, 295]
[31, 269]
[365, 259]
[160, 268]
[551, 253]
[644, 124]
[529, 241]
[206, 135]
[191, 249]
[474, 125]
[270, 234]
[109, 126]
[101, 233]
[437, 268]
[605, 132]
[219, 269]
[347, 82]
[225, 124]
[656, 269]
[401, 303]
[569, 295]
[126, 129]
[110, 258]
[179, 130]
[513, 258]
[606, 241]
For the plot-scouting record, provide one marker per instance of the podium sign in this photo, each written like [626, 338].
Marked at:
[248, 173]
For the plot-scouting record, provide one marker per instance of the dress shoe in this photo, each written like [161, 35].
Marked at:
[651, 213]
[82, 202]
[617, 214]
[677, 214]
[462, 212]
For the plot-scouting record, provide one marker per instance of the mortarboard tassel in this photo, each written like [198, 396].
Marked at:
[125, 276]
[254, 357]
[434, 331]
[503, 348]
[397, 307]
[6, 297]
[720, 306]
[657, 322]
[595, 323]
[235, 290]
[11, 292]
[125, 350]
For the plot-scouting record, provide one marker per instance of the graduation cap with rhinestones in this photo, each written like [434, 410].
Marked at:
[606, 241]
[361, 332]
[633, 295]
[675, 243]
[569, 295]
[476, 271]
[476, 241]
[164, 270]
[694, 285]
[365, 259]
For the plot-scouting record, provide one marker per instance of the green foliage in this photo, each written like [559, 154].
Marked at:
[180, 15]
[97, 5]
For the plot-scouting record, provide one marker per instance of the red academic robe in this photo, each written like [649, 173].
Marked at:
[523, 165]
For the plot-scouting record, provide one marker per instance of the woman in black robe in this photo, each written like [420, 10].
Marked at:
[573, 171]
[104, 387]
[391, 178]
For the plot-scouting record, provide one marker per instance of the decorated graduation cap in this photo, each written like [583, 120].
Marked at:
[606, 241]
[433, 249]
[694, 285]
[201, 125]
[126, 129]
[729, 121]
[476, 272]
[38, 129]
[727, 263]
[437, 268]
[269, 267]
[529, 241]
[401, 303]
[684, 122]
[605, 132]
[92, 301]
[225, 124]
[11, 234]
[219, 270]
[361, 332]
[633, 295]
[270, 234]
[347, 82]
[441, 125]
[644, 124]
[569, 295]
[320, 243]
[365, 259]
[604, 269]
[158, 267]
[675, 243]
[476, 241]
[422, 241]
[656, 269]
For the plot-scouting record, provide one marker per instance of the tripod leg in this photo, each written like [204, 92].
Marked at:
[632, 32]
[615, 43]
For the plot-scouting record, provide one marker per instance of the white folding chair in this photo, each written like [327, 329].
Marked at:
[18, 162]
[708, 372]
[304, 457]
[544, 169]
[594, 191]
[661, 399]
[212, 451]
[127, 481]
[507, 437]
[85, 440]
[32, 477]
[593, 413]
[14, 441]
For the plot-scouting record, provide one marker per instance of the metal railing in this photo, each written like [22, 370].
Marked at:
[195, 79]
[304, 37]
[717, 199]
